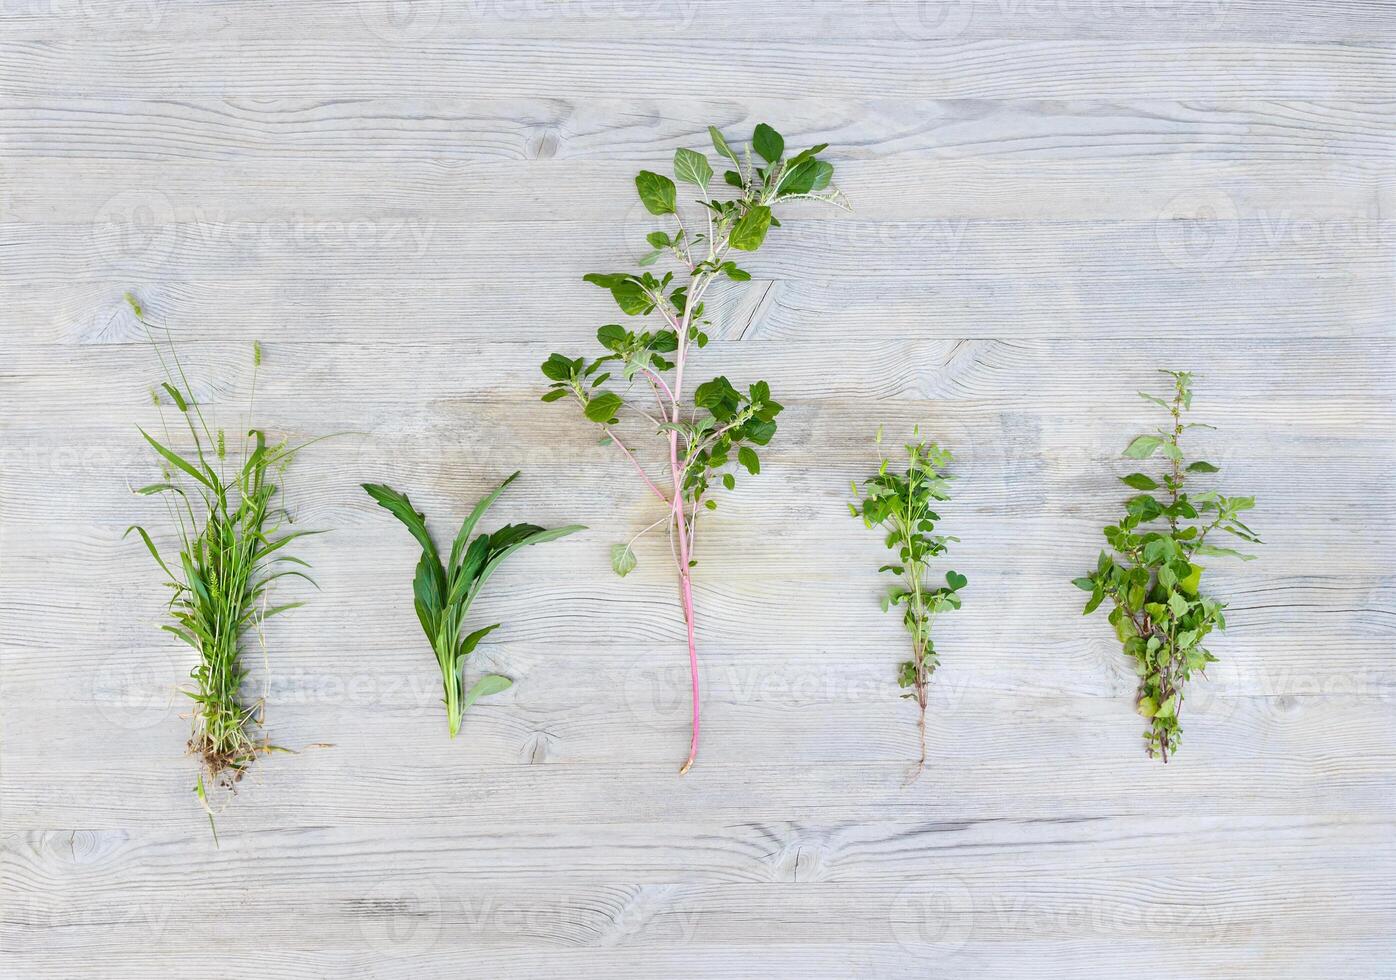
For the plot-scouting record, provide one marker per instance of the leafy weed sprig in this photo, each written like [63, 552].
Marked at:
[902, 503]
[1152, 579]
[443, 593]
[723, 427]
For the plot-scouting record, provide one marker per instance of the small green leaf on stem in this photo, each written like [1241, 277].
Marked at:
[488, 685]
[1139, 481]
[623, 560]
[692, 167]
[1143, 447]
[720, 144]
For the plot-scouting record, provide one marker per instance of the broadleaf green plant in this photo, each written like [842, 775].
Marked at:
[443, 593]
[903, 504]
[1151, 575]
[704, 443]
[232, 551]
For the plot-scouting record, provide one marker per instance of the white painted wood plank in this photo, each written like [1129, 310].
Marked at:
[1164, 305]
[1334, 21]
[579, 144]
[357, 64]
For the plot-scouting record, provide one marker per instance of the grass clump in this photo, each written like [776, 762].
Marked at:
[232, 551]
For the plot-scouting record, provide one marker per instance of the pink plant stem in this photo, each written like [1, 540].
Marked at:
[685, 578]
[638, 468]
[661, 383]
[686, 583]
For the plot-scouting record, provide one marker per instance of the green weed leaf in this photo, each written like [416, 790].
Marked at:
[692, 168]
[623, 560]
[657, 192]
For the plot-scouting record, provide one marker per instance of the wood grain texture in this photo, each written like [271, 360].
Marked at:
[1052, 199]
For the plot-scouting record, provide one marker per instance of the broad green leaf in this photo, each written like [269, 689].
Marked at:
[799, 178]
[557, 368]
[1202, 466]
[768, 143]
[692, 167]
[1139, 481]
[1143, 447]
[1084, 584]
[748, 458]
[612, 336]
[629, 293]
[1147, 706]
[1191, 582]
[603, 408]
[750, 231]
[657, 192]
[623, 560]
[1178, 604]
[632, 298]
[956, 581]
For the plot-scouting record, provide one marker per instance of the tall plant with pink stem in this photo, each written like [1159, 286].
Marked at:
[704, 443]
